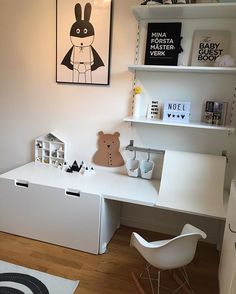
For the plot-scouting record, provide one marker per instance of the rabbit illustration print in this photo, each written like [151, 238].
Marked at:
[81, 59]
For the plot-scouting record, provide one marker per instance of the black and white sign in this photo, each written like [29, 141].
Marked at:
[208, 45]
[163, 43]
[154, 109]
[177, 111]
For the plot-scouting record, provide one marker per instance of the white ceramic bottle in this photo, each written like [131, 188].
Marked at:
[137, 102]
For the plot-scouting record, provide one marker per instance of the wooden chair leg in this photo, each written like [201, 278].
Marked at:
[137, 283]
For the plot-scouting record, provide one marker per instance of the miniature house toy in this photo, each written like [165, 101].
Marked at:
[50, 149]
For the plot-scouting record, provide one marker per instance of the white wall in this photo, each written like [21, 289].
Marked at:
[32, 103]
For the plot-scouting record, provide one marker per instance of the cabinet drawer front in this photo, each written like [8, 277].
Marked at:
[231, 218]
[228, 252]
[15, 209]
[51, 214]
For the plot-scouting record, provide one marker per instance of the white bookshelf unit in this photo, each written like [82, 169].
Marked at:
[49, 149]
[207, 14]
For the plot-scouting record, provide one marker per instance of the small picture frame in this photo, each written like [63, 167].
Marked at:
[163, 43]
[215, 112]
[208, 45]
[154, 109]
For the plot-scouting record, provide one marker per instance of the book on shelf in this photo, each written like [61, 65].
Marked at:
[215, 113]
[208, 45]
[163, 43]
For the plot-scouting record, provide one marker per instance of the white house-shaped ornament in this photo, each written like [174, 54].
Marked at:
[49, 149]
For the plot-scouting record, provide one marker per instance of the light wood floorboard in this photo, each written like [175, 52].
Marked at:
[107, 273]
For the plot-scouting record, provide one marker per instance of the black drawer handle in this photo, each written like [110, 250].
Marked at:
[73, 193]
[22, 184]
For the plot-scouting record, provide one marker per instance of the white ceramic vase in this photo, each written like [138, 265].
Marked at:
[137, 106]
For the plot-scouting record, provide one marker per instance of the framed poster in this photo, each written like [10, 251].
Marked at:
[163, 43]
[83, 41]
[208, 45]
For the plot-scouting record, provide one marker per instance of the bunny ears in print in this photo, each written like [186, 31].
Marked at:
[82, 27]
[87, 12]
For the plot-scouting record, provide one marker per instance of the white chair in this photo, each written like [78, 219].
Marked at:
[168, 255]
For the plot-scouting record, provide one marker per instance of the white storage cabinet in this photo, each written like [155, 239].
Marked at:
[227, 268]
[42, 202]
[65, 217]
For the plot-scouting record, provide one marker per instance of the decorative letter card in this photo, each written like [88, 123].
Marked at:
[175, 111]
[154, 109]
[208, 45]
[163, 43]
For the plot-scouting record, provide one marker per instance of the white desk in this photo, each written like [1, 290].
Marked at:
[95, 204]
[193, 183]
[45, 203]
[120, 188]
[108, 185]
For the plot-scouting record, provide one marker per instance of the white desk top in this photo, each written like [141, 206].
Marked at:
[113, 186]
[132, 190]
[193, 183]
[109, 185]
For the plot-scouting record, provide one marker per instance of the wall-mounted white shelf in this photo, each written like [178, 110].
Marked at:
[185, 69]
[50, 149]
[196, 125]
[185, 11]
[201, 12]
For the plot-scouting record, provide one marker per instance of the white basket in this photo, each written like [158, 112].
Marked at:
[146, 169]
[132, 167]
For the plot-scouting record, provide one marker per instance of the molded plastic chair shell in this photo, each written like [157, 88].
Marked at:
[169, 254]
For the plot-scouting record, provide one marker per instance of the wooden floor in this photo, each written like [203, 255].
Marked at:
[107, 273]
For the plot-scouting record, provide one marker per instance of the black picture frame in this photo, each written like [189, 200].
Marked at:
[83, 41]
[163, 43]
